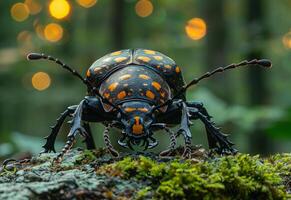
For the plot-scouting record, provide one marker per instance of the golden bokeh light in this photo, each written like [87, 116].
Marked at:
[34, 6]
[195, 28]
[19, 12]
[53, 32]
[286, 40]
[144, 8]
[41, 81]
[86, 3]
[59, 9]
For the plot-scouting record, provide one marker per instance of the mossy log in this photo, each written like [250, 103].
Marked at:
[96, 175]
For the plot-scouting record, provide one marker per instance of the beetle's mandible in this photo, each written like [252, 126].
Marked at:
[139, 92]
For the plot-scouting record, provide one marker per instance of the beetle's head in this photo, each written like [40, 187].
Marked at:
[136, 119]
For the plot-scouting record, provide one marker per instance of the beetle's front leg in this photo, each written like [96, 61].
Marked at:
[216, 139]
[185, 128]
[76, 128]
[51, 138]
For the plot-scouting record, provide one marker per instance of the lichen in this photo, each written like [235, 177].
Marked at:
[96, 175]
[228, 177]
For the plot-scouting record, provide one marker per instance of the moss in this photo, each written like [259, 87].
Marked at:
[230, 177]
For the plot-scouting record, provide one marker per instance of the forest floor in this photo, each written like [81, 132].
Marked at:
[96, 175]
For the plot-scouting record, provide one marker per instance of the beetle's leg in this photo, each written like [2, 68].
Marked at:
[67, 147]
[107, 142]
[173, 143]
[51, 138]
[185, 129]
[89, 137]
[199, 105]
[75, 129]
[219, 141]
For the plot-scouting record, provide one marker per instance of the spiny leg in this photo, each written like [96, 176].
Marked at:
[221, 145]
[107, 142]
[173, 142]
[51, 138]
[198, 105]
[89, 137]
[75, 129]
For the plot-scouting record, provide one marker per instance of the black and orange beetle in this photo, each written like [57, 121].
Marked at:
[138, 91]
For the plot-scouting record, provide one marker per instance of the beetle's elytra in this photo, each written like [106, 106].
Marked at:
[138, 91]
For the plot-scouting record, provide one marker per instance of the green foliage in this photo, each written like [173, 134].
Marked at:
[230, 177]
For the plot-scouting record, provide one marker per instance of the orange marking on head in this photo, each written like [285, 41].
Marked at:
[158, 58]
[137, 128]
[128, 109]
[178, 70]
[150, 52]
[88, 73]
[143, 76]
[158, 66]
[156, 85]
[162, 94]
[168, 66]
[112, 86]
[120, 59]
[116, 53]
[144, 58]
[125, 77]
[143, 109]
[150, 94]
[121, 95]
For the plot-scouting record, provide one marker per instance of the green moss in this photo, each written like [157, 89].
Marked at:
[229, 177]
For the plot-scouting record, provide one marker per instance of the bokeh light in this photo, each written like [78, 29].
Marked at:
[144, 8]
[33, 6]
[24, 36]
[59, 9]
[53, 32]
[40, 81]
[86, 3]
[195, 28]
[286, 40]
[19, 12]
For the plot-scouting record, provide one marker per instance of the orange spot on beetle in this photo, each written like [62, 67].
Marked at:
[151, 52]
[88, 73]
[143, 76]
[137, 128]
[106, 95]
[178, 70]
[143, 109]
[116, 53]
[156, 85]
[129, 109]
[113, 86]
[150, 94]
[120, 59]
[168, 66]
[158, 58]
[125, 77]
[121, 95]
[144, 58]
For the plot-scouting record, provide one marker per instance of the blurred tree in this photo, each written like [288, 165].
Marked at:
[259, 93]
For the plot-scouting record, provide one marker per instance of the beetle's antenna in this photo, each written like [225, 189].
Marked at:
[263, 63]
[37, 56]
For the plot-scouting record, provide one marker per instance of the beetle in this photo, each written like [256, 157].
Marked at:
[138, 91]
